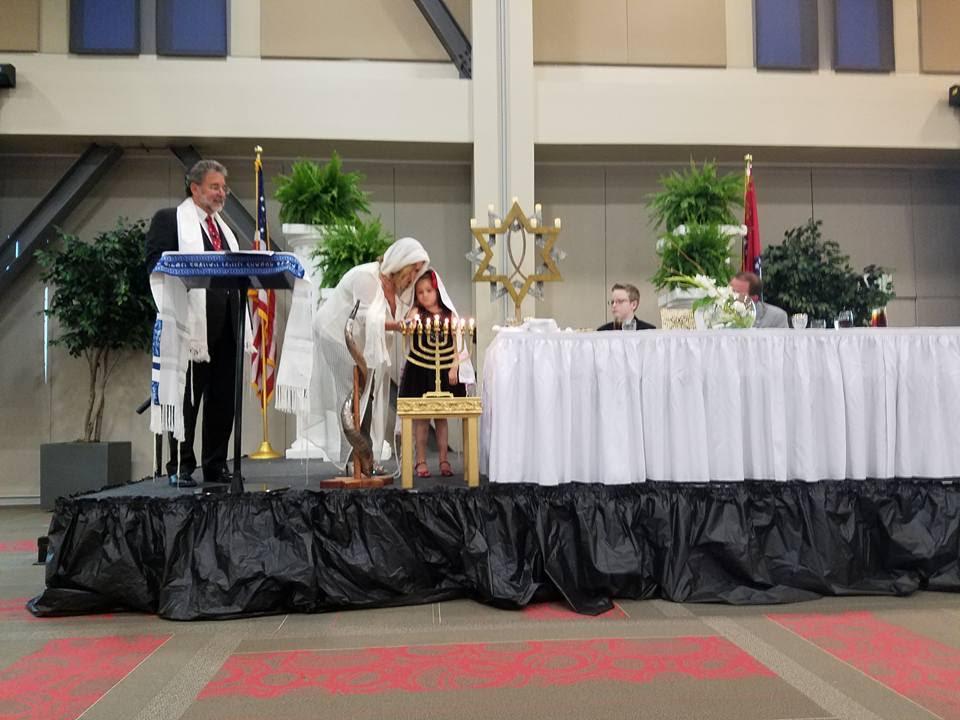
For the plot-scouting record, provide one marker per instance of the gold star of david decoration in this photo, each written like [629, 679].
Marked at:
[517, 283]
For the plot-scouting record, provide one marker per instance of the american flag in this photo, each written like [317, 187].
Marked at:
[263, 303]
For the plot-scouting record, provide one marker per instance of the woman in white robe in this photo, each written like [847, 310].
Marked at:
[384, 290]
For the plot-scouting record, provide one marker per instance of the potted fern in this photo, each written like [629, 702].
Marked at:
[102, 322]
[348, 244]
[694, 211]
[313, 197]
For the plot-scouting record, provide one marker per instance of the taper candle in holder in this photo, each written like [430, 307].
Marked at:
[437, 346]
[514, 280]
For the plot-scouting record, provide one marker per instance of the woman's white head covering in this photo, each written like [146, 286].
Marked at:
[403, 252]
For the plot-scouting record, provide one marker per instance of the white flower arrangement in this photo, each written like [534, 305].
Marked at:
[722, 306]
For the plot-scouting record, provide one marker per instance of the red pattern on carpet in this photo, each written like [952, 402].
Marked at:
[440, 668]
[65, 677]
[19, 546]
[559, 611]
[921, 669]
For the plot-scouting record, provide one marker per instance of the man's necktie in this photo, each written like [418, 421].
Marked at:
[214, 233]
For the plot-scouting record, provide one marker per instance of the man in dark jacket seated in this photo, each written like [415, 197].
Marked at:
[624, 300]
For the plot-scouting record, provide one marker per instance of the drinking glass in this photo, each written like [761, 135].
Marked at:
[818, 324]
[844, 319]
[798, 321]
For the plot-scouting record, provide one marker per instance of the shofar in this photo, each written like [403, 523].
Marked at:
[359, 438]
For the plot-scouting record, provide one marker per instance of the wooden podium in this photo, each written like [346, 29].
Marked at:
[467, 409]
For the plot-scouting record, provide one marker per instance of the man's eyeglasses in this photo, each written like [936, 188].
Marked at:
[619, 301]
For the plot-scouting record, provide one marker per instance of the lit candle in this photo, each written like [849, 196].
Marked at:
[490, 208]
[446, 324]
[533, 221]
[556, 223]
[514, 200]
[436, 322]
[428, 326]
[473, 223]
[537, 209]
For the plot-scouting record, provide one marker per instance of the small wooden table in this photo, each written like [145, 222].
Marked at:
[467, 409]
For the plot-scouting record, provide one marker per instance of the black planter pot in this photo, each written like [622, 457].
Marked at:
[76, 467]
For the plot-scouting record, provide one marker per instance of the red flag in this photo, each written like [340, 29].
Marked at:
[750, 256]
[263, 305]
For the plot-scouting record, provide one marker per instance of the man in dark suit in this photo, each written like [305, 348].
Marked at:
[213, 381]
[624, 300]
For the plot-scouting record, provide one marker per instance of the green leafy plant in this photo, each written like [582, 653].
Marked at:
[811, 275]
[697, 196]
[700, 250]
[320, 195]
[347, 244]
[102, 303]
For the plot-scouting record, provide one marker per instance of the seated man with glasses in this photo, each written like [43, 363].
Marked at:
[624, 300]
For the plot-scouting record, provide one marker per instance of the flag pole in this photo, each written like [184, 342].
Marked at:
[747, 169]
[265, 451]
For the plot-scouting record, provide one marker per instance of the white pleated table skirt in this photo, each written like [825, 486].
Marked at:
[728, 405]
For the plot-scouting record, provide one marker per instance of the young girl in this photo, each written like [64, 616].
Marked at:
[430, 300]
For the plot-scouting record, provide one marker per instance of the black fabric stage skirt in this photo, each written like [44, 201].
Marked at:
[507, 545]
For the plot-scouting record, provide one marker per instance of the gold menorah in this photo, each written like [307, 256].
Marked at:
[428, 345]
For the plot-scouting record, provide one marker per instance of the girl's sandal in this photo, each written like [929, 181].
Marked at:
[445, 469]
[422, 470]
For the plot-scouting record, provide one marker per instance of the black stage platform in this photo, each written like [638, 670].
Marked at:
[185, 556]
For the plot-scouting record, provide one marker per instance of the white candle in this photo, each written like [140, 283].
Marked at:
[533, 222]
[514, 200]
[473, 223]
[490, 208]
[556, 223]
[537, 208]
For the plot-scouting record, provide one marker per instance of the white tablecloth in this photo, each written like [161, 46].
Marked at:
[621, 407]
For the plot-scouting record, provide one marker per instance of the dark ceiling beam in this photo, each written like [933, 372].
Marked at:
[40, 224]
[450, 34]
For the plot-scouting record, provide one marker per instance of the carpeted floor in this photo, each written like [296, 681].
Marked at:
[861, 658]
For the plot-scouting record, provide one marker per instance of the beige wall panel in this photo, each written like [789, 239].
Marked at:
[869, 213]
[20, 25]
[906, 35]
[902, 312]
[372, 29]
[575, 194]
[631, 238]
[24, 412]
[580, 31]
[938, 312]
[783, 201]
[936, 228]
[692, 32]
[55, 26]
[939, 25]
[244, 40]
[739, 22]
[433, 205]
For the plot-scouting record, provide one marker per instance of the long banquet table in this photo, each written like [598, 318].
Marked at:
[728, 405]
